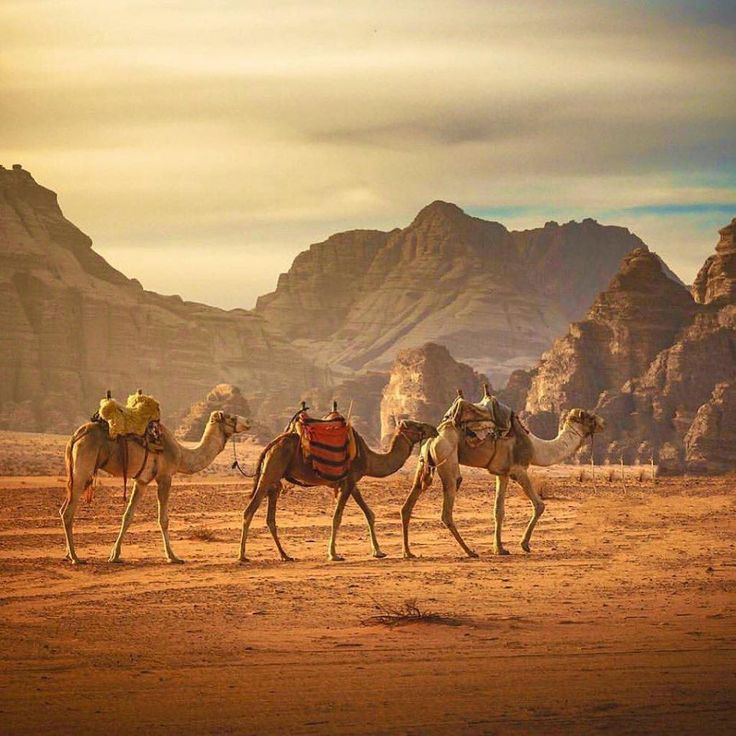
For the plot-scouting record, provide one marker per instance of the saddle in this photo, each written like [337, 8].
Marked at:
[487, 419]
[137, 420]
[328, 444]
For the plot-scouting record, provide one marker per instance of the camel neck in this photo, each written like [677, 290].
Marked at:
[381, 464]
[194, 459]
[552, 452]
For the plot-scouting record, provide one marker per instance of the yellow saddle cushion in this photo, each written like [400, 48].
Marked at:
[133, 418]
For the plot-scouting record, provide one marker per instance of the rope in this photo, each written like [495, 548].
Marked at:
[236, 464]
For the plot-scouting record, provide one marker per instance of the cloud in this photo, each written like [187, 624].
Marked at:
[257, 128]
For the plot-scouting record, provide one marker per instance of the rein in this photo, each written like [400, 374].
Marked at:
[236, 463]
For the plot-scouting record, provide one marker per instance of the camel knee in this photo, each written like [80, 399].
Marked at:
[539, 508]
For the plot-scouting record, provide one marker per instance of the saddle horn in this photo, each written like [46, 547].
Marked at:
[460, 394]
[108, 394]
[486, 392]
[334, 406]
[140, 392]
[304, 405]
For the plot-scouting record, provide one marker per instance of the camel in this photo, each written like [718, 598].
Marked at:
[283, 458]
[91, 449]
[507, 457]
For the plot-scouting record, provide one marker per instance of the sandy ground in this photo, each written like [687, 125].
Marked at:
[620, 621]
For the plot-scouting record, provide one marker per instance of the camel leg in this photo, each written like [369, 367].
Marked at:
[422, 481]
[164, 487]
[67, 510]
[522, 478]
[135, 496]
[450, 473]
[370, 517]
[344, 494]
[502, 482]
[273, 497]
[248, 514]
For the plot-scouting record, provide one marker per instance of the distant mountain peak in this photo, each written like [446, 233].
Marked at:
[439, 210]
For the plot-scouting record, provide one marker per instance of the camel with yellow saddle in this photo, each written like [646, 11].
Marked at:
[128, 441]
[491, 436]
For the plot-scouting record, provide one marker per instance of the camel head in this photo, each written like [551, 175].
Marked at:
[585, 421]
[230, 423]
[416, 431]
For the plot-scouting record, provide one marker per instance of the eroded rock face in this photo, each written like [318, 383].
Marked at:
[650, 360]
[71, 326]
[710, 442]
[716, 281]
[495, 298]
[422, 385]
[636, 318]
[223, 397]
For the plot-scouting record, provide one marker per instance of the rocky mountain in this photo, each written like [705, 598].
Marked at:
[72, 326]
[657, 362]
[422, 385]
[495, 298]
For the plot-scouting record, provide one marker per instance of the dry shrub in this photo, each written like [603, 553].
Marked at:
[580, 475]
[407, 613]
[204, 534]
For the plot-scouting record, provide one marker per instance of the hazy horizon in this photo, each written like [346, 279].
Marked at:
[202, 146]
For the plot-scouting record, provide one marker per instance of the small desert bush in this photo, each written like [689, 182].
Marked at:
[406, 613]
[204, 534]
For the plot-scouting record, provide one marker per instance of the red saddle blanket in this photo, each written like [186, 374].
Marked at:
[327, 444]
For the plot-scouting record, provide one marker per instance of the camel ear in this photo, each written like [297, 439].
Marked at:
[218, 416]
[486, 393]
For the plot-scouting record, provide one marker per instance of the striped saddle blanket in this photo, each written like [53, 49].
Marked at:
[328, 444]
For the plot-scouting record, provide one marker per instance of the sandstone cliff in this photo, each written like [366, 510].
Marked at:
[422, 385]
[656, 364]
[496, 299]
[72, 326]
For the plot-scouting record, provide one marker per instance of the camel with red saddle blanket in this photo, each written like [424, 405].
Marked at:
[326, 452]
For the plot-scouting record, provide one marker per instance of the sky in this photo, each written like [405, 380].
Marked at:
[203, 144]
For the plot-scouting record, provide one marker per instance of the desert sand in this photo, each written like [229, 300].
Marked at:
[620, 621]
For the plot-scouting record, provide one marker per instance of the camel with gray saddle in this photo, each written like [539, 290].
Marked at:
[491, 436]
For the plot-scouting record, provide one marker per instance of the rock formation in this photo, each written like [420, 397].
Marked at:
[658, 365]
[716, 281]
[710, 443]
[423, 384]
[72, 326]
[496, 299]
[223, 397]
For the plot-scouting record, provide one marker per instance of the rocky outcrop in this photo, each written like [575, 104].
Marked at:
[650, 360]
[422, 385]
[716, 281]
[223, 397]
[72, 326]
[495, 298]
[710, 442]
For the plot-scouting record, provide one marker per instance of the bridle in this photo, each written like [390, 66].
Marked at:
[226, 418]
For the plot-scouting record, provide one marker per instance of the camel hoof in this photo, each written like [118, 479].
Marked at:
[379, 555]
[409, 556]
[243, 560]
[473, 554]
[174, 561]
[501, 551]
[336, 558]
[115, 560]
[286, 558]
[525, 546]
[77, 561]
